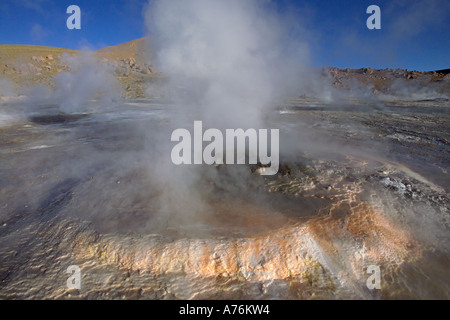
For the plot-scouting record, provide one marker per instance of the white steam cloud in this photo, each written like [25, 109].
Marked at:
[230, 60]
[87, 80]
[227, 63]
[7, 87]
[89, 85]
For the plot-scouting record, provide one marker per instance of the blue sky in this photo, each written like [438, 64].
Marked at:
[414, 33]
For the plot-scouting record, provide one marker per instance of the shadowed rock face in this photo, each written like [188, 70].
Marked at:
[80, 194]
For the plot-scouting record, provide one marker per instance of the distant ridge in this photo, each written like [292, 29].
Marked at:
[132, 49]
[130, 46]
[26, 65]
[443, 71]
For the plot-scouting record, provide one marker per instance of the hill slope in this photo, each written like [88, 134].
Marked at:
[26, 65]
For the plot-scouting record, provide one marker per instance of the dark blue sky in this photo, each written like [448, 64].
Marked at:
[414, 34]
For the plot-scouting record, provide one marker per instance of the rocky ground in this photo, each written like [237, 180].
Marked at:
[361, 186]
[363, 182]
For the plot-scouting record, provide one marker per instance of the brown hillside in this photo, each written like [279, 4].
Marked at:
[27, 65]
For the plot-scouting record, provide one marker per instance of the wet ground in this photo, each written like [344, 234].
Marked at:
[360, 184]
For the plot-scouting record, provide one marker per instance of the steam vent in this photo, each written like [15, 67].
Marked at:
[80, 192]
[235, 150]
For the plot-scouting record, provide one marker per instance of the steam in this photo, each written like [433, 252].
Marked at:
[88, 80]
[227, 61]
[7, 94]
[7, 88]
[227, 64]
[89, 85]
[418, 89]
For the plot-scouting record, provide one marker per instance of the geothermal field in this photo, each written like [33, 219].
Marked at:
[89, 190]
[358, 209]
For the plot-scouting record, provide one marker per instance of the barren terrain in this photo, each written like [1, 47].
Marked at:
[363, 182]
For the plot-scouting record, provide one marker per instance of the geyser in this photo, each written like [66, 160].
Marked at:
[97, 189]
